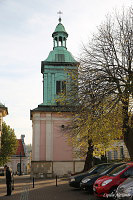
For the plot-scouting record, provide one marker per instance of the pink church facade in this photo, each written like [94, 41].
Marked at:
[51, 141]
[51, 153]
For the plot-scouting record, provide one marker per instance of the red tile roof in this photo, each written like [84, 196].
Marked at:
[20, 148]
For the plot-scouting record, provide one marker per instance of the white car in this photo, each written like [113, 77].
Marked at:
[125, 190]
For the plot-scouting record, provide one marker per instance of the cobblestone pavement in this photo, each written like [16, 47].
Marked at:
[43, 190]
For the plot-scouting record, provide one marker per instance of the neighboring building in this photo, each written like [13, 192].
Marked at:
[20, 158]
[51, 153]
[118, 152]
[3, 113]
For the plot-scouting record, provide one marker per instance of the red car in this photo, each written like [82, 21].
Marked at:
[105, 185]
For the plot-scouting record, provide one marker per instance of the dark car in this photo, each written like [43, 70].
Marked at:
[75, 180]
[125, 190]
[87, 182]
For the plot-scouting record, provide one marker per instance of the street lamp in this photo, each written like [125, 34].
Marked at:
[20, 164]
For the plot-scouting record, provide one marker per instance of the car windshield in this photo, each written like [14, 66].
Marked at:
[92, 169]
[118, 170]
[98, 168]
[105, 171]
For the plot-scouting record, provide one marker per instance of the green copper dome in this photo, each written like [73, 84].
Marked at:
[1, 105]
[60, 28]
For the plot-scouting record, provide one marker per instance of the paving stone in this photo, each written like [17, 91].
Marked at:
[44, 190]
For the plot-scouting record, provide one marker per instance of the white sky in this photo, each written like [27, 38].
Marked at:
[26, 28]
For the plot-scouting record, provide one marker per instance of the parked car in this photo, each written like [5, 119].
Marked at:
[87, 182]
[125, 190]
[107, 184]
[75, 180]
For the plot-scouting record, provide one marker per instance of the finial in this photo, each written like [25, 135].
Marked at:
[59, 13]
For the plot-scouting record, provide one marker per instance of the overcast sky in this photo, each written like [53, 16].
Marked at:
[26, 27]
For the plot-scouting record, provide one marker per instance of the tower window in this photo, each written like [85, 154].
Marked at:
[60, 87]
[55, 42]
[64, 42]
[60, 41]
[59, 58]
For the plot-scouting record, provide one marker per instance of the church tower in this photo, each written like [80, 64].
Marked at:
[55, 68]
[51, 153]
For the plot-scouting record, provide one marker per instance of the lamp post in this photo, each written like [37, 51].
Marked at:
[20, 164]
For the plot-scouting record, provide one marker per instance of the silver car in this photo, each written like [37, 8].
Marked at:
[125, 190]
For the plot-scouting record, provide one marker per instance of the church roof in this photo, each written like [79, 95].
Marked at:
[60, 54]
[1, 105]
[51, 108]
[3, 109]
[20, 148]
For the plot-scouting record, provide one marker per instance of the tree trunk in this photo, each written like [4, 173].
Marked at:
[89, 157]
[127, 128]
[128, 139]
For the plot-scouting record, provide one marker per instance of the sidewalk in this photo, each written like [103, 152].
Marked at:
[44, 190]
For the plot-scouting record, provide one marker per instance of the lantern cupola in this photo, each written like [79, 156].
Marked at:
[59, 35]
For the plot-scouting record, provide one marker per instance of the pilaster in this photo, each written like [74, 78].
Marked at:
[36, 137]
[49, 137]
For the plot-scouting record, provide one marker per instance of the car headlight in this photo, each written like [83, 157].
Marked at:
[72, 179]
[85, 180]
[106, 182]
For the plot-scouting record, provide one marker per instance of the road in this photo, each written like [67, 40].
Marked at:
[43, 190]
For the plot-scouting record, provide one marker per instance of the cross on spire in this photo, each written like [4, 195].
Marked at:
[59, 13]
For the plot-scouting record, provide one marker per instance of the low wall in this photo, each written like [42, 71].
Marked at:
[45, 169]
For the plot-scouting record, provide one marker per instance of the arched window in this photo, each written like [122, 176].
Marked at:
[64, 42]
[55, 42]
[60, 41]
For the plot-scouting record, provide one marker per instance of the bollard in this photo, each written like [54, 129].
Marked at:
[12, 182]
[56, 180]
[33, 182]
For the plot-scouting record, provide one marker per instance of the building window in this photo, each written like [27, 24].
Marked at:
[60, 41]
[121, 152]
[55, 42]
[62, 126]
[109, 155]
[60, 87]
[115, 155]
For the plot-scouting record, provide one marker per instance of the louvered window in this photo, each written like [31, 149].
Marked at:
[121, 152]
[59, 58]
